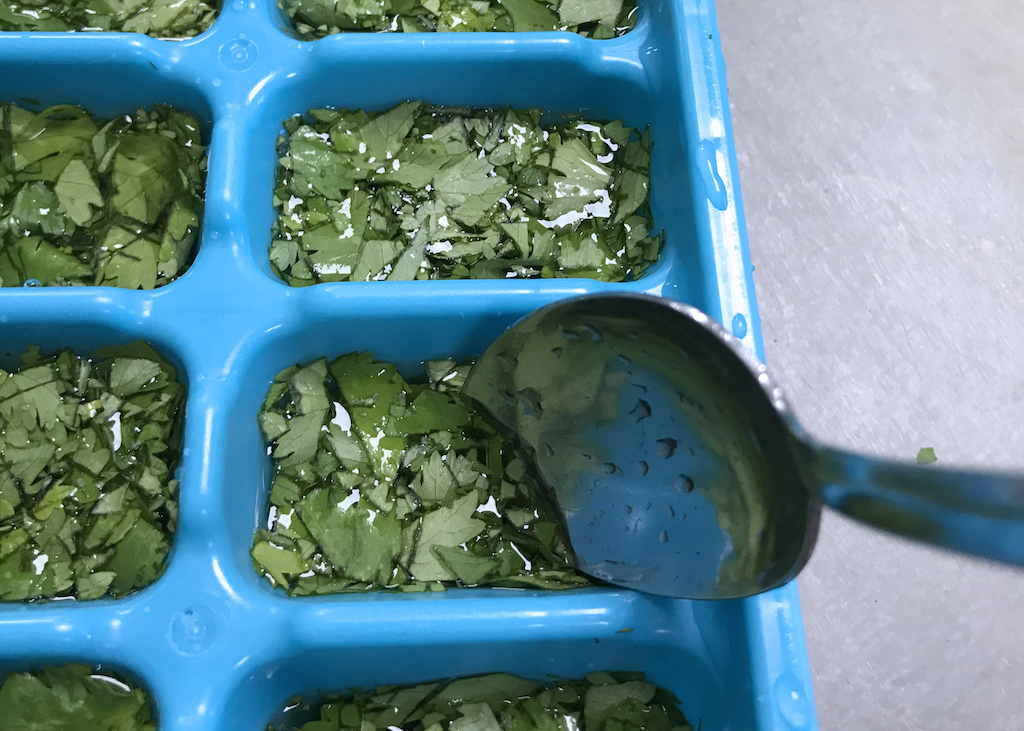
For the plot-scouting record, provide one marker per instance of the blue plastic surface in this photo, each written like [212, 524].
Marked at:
[215, 645]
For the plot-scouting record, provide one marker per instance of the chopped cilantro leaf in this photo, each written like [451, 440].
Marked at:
[86, 201]
[498, 702]
[72, 697]
[88, 499]
[422, 192]
[926, 455]
[315, 19]
[362, 538]
[379, 483]
[445, 527]
[157, 18]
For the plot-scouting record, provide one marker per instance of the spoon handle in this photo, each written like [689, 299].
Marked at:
[980, 513]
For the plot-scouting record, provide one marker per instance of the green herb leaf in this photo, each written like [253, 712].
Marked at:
[432, 411]
[444, 527]
[129, 376]
[420, 192]
[90, 202]
[403, 485]
[364, 543]
[157, 18]
[278, 562]
[384, 134]
[531, 15]
[633, 185]
[593, 18]
[470, 188]
[77, 192]
[499, 702]
[467, 567]
[88, 502]
[601, 700]
[72, 697]
[475, 717]
[580, 12]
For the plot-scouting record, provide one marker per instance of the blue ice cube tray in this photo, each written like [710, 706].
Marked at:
[216, 646]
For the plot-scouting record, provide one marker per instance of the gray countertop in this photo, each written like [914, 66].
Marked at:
[881, 155]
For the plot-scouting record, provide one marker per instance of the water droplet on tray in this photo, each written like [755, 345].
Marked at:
[663, 536]
[792, 701]
[739, 326]
[707, 165]
[643, 468]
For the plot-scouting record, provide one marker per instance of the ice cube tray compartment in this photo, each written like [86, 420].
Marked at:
[216, 646]
[663, 653]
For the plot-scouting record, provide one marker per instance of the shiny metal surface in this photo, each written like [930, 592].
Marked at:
[664, 439]
[679, 467]
[881, 152]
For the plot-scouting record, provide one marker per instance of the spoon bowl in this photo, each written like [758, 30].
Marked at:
[680, 468]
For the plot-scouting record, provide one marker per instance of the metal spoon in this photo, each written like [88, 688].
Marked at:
[681, 469]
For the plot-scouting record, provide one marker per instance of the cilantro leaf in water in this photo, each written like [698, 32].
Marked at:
[86, 201]
[88, 499]
[422, 192]
[379, 483]
[315, 19]
[499, 702]
[157, 18]
[72, 697]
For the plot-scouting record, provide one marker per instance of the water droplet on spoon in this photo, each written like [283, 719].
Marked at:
[642, 410]
[684, 483]
[667, 447]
